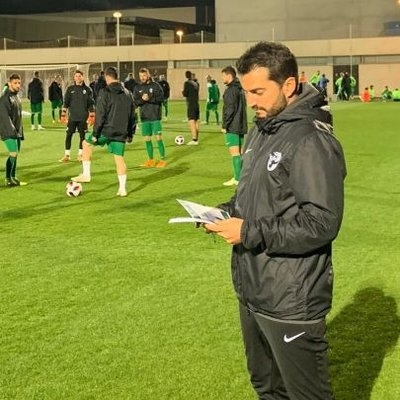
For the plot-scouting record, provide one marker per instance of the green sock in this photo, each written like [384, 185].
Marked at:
[53, 114]
[166, 111]
[149, 149]
[237, 166]
[32, 119]
[207, 116]
[39, 118]
[161, 148]
[217, 117]
[10, 166]
[13, 167]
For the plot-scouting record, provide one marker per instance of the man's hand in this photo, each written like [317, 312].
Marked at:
[228, 229]
[90, 120]
[223, 130]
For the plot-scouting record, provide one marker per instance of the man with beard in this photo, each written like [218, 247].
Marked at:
[148, 95]
[11, 129]
[286, 212]
[78, 111]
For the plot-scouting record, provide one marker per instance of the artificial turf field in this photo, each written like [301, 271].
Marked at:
[100, 298]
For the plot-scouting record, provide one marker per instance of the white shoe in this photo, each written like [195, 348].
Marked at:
[40, 128]
[122, 193]
[81, 178]
[193, 143]
[33, 127]
[231, 182]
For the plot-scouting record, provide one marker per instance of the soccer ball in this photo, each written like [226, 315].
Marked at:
[179, 140]
[73, 189]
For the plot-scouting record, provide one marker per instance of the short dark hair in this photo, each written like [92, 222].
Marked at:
[229, 70]
[276, 57]
[111, 71]
[78, 71]
[14, 76]
[144, 71]
[36, 74]
[188, 75]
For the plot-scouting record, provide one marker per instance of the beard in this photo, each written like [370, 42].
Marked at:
[280, 104]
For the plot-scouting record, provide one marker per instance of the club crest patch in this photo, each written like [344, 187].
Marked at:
[274, 160]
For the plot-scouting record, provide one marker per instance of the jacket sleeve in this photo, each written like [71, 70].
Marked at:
[229, 110]
[316, 179]
[101, 113]
[90, 99]
[6, 125]
[137, 96]
[67, 98]
[185, 89]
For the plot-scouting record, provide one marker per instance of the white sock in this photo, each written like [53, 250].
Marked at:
[86, 168]
[122, 183]
[68, 152]
[80, 151]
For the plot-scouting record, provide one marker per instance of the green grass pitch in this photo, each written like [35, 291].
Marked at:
[100, 298]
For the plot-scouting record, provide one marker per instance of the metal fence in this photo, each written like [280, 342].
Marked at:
[131, 40]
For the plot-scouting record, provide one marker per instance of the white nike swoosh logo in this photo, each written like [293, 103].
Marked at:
[291, 338]
[248, 151]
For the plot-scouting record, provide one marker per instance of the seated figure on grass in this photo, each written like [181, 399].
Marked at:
[114, 126]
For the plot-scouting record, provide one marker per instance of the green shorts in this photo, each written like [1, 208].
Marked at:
[116, 148]
[150, 128]
[212, 106]
[56, 104]
[36, 108]
[12, 145]
[233, 139]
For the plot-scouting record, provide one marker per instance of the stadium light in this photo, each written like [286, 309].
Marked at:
[180, 34]
[118, 16]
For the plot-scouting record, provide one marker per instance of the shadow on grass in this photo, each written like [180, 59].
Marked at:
[360, 337]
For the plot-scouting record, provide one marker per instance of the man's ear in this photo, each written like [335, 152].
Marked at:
[290, 87]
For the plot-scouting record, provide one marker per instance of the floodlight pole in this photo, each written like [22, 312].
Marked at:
[118, 16]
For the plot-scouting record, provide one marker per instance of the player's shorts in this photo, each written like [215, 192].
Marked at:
[116, 148]
[36, 108]
[56, 104]
[150, 128]
[212, 106]
[233, 139]
[12, 145]
[193, 112]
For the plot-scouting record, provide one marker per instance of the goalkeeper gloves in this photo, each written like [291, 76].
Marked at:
[90, 120]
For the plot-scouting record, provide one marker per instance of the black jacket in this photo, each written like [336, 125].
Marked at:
[234, 113]
[35, 91]
[11, 116]
[79, 101]
[130, 84]
[191, 92]
[149, 110]
[115, 117]
[290, 196]
[165, 87]
[55, 92]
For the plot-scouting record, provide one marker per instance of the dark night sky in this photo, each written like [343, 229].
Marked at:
[15, 7]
